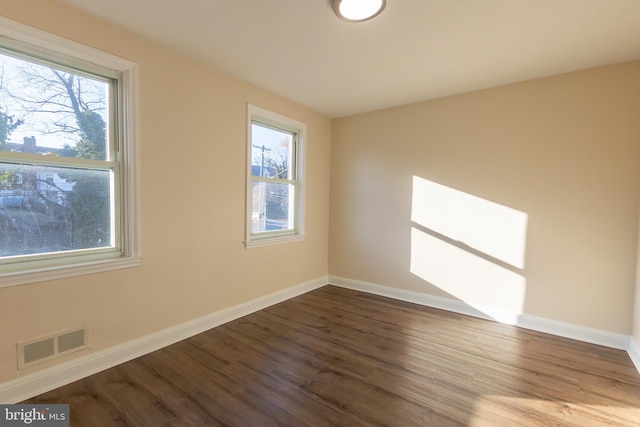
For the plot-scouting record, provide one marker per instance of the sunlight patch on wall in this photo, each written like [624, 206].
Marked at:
[472, 279]
[491, 228]
[471, 248]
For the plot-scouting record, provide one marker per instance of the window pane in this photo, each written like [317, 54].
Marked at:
[271, 152]
[272, 204]
[45, 110]
[53, 209]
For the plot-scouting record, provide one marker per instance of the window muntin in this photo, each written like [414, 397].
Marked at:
[274, 193]
[108, 173]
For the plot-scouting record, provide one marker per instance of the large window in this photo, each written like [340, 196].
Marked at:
[67, 158]
[274, 191]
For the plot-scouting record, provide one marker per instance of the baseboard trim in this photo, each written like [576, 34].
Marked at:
[634, 353]
[553, 327]
[42, 381]
[408, 296]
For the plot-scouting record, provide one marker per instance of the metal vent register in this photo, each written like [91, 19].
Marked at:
[52, 346]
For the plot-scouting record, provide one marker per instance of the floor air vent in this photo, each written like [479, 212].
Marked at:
[52, 346]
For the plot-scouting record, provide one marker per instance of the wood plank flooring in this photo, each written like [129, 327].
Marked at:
[345, 358]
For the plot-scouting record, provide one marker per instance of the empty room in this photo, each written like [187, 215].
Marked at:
[320, 212]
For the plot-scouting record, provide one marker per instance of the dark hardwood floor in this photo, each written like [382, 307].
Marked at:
[345, 358]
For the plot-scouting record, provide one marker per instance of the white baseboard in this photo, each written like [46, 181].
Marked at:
[634, 353]
[48, 379]
[408, 296]
[553, 327]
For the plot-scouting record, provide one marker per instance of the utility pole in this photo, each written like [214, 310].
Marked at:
[263, 149]
[263, 213]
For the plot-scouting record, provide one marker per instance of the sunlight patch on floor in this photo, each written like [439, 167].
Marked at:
[518, 410]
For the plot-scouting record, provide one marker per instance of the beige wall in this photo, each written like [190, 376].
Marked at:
[562, 152]
[192, 155]
[636, 310]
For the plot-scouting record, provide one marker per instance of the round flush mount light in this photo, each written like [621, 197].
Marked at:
[358, 10]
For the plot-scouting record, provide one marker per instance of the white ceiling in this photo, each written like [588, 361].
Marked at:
[416, 50]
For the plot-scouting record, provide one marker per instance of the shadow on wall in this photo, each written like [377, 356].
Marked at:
[469, 247]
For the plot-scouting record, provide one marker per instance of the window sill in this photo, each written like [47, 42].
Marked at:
[64, 271]
[268, 241]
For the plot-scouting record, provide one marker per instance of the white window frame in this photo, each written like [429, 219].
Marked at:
[60, 265]
[278, 121]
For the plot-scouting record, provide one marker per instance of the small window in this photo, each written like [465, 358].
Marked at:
[274, 191]
[67, 158]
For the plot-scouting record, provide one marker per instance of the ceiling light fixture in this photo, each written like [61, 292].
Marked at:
[358, 10]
